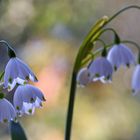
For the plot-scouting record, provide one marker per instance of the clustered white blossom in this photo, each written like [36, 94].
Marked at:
[26, 97]
[102, 68]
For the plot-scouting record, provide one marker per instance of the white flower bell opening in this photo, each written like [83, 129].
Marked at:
[27, 98]
[101, 69]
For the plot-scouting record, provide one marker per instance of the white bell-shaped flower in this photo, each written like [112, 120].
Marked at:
[28, 108]
[101, 69]
[83, 77]
[7, 111]
[27, 98]
[17, 71]
[120, 55]
[136, 80]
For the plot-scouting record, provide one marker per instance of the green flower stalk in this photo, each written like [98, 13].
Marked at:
[86, 54]
[85, 48]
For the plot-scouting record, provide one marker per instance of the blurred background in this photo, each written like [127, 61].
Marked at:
[46, 34]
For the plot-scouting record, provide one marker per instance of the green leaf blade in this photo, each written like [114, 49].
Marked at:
[17, 132]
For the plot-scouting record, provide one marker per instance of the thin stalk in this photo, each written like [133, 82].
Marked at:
[93, 35]
[70, 107]
[113, 17]
[122, 10]
[104, 30]
[1, 75]
[131, 42]
[101, 41]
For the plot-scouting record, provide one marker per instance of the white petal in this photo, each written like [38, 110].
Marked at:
[18, 70]
[20, 81]
[83, 77]
[120, 55]
[27, 97]
[12, 85]
[28, 108]
[136, 79]
[101, 69]
[17, 100]
[10, 72]
[7, 111]
[27, 70]
[38, 103]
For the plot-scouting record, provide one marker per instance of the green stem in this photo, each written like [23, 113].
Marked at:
[83, 51]
[1, 75]
[131, 42]
[101, 41]
[70, 107]
[107, 29]
[122, 10]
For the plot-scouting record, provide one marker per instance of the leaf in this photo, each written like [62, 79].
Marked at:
[17, 132]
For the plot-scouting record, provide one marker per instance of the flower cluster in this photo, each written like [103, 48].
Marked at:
[26, 97]
[104, 66]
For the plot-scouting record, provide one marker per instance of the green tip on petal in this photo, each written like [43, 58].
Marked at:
[30, 111]
[97, 75]
[10, 80]
[2, 95]
[5, 120]
[17, 107]
[27, 78]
